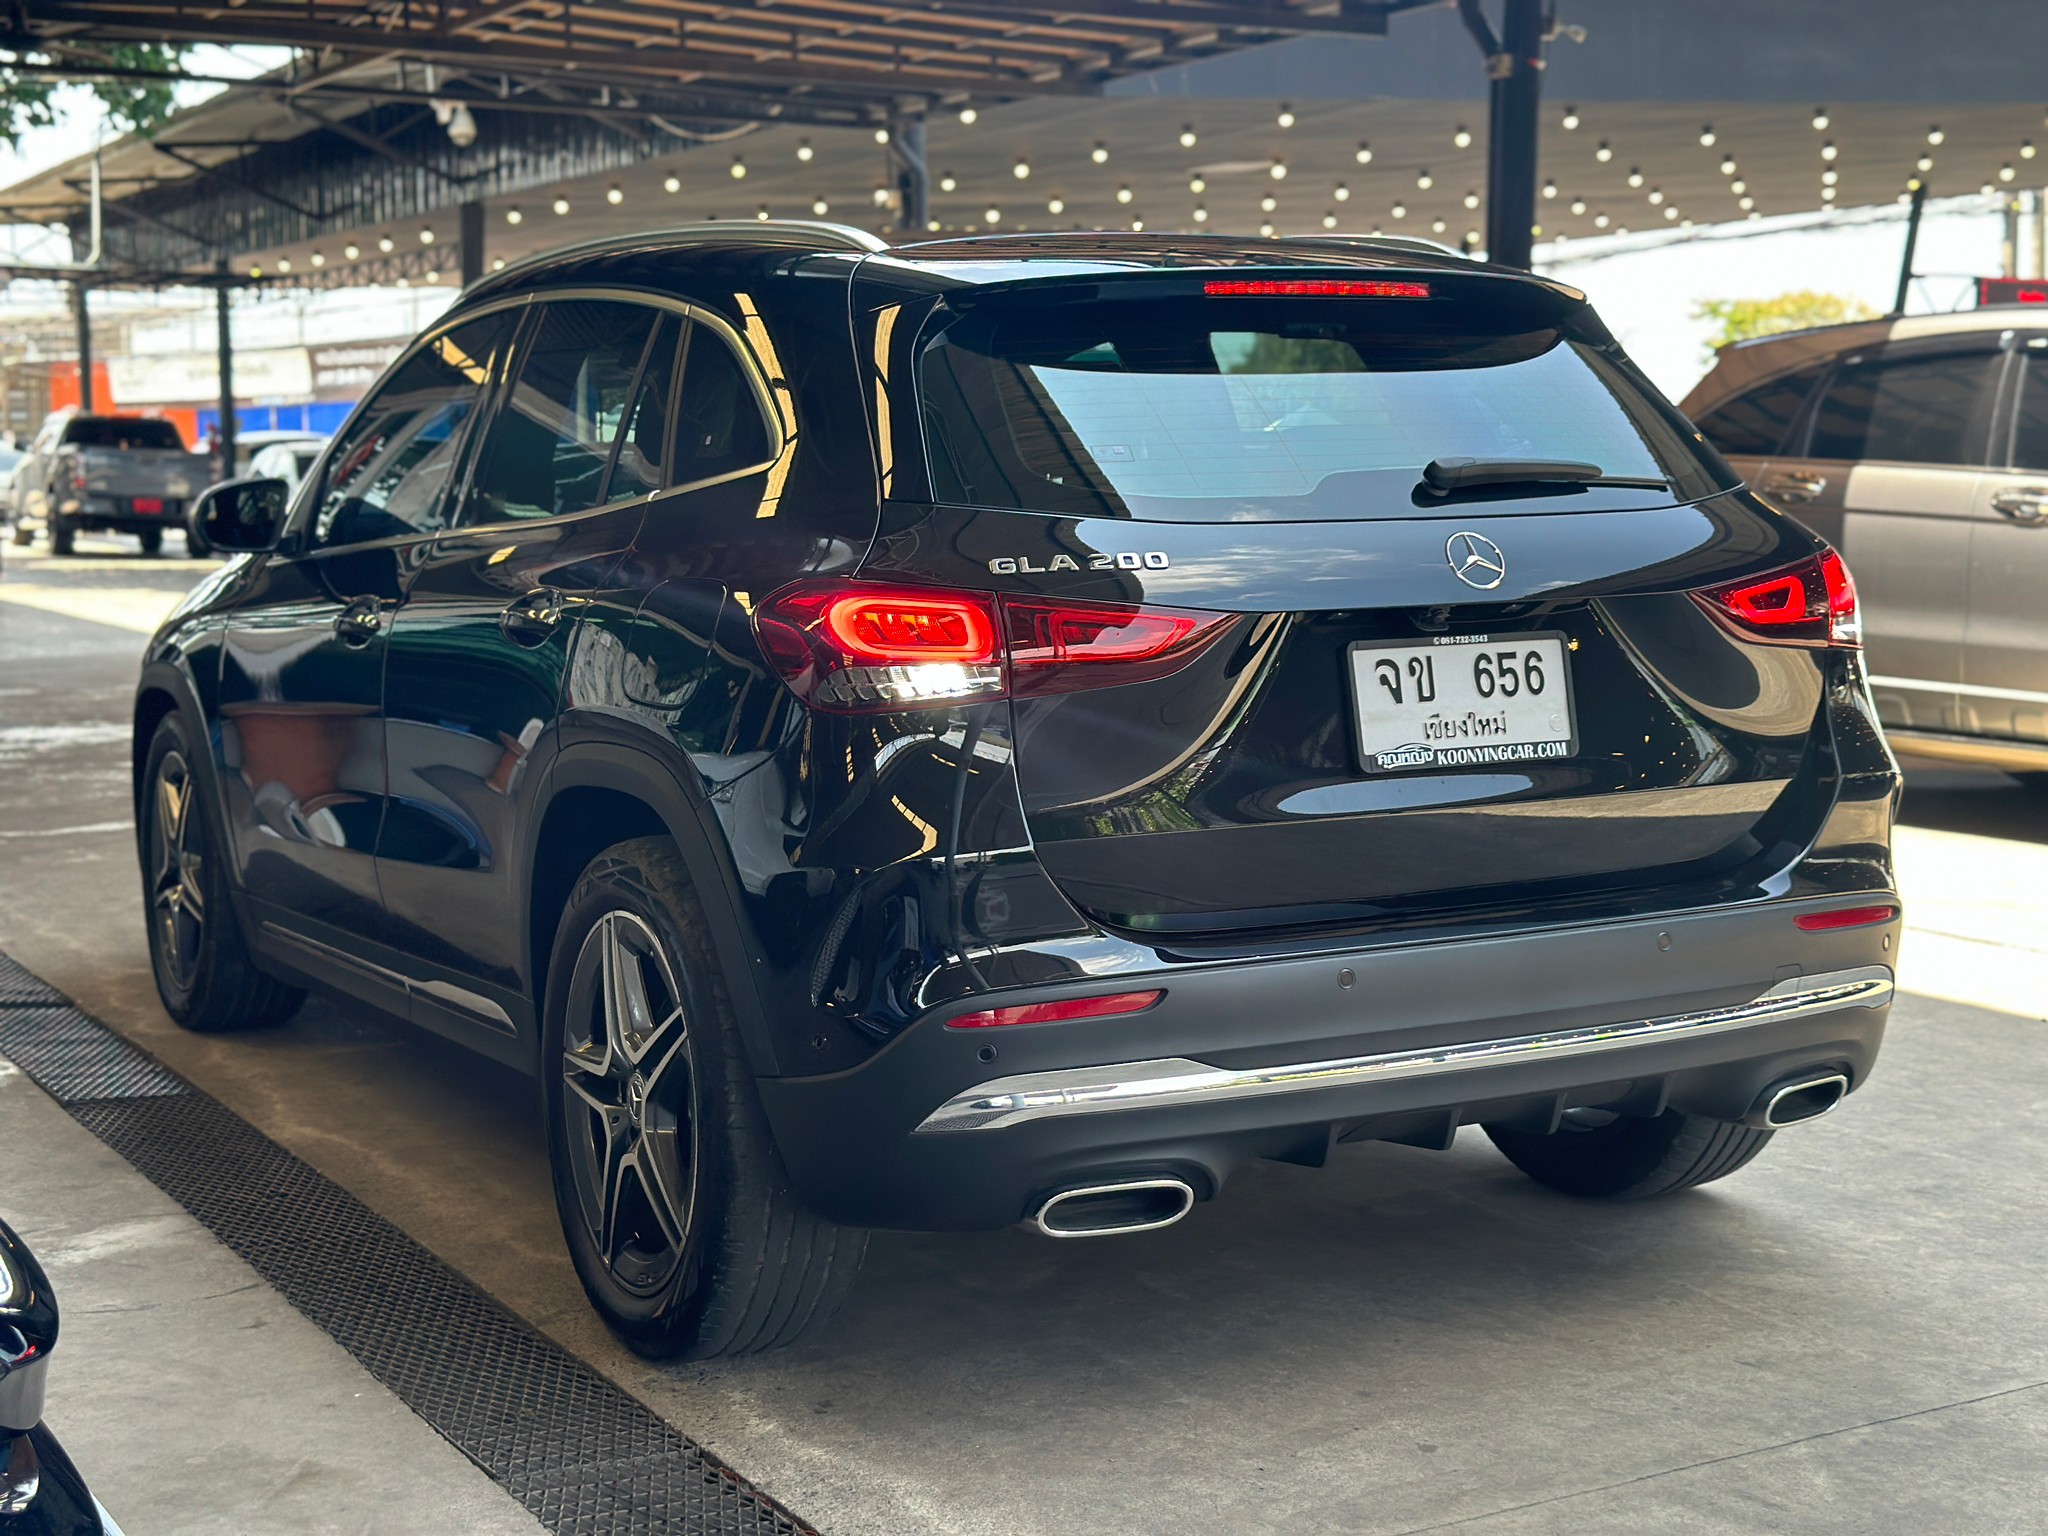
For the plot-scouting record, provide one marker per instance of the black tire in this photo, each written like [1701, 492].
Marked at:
[196, 950]
[675, 1205]
[152, 541]
[62, 537]
[1598, 1156]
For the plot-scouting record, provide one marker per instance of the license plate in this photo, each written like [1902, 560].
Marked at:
[149, 503]
[1463, 701]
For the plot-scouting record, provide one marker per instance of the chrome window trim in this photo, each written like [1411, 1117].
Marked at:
[780, 432]
[1176, 1081]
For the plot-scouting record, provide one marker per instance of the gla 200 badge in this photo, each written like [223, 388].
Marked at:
[1024, 565]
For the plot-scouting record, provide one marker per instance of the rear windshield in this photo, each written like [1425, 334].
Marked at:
[122, 432]
[1235, 409]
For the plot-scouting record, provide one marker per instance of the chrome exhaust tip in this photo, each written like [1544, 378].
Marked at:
[1111, 1210]
[1797, 1099]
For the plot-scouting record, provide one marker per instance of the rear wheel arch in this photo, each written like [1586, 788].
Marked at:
[600, 795]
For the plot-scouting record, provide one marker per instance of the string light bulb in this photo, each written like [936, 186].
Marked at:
[1100, 153]
[2026, 149]
[1820, 119]
[1187, 136]
[1124, 194]
[514, 216]
[1055, 205]
[968, 115]
[1571, 118]
[1727, 165]
[384, 244]
[1635, 176]
[820, 207]
[1472, 198]
[1550, 189]
[615, 194]
[947, 182]
[1341, 192]
[1201, 214]
[1828, 150]
[2006, 172]
[1578, 205]
[1277, 170]
[1197, 185]
[804, 152]
[1604, 153]
[561, 206]
[1462, 137]
[426, 237]
[739, 169]
[1935, 135]
[1286, 117]
[351, 251]
[317, 259]
[1269, 204]
[1364, 154]
[1424, 180]
[1399, 210]
[671, 184]
[1021, 169]
[1707, 135]
[1330, 220]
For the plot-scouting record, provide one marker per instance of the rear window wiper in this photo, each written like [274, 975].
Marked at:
[1440, 477]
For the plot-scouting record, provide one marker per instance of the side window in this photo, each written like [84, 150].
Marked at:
[551, 438]
[2030, 431]
[388, 473]
[719, 426]
[642, 465]
[1911, 409]
[1753, 424]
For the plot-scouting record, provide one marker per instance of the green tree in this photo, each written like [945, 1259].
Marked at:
[135, 105]
[1740, 319]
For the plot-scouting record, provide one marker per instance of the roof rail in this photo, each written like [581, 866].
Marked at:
[806, 234]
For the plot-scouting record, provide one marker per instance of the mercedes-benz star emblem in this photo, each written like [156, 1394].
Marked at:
[1476, 560]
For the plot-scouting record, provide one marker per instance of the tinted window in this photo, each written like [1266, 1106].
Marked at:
[389, 471]
[719, 427]
[642, 465]
[551, 439]
[2030, 432]
[1911, 410]
[1753, 424]
[122, 432]
[1232, 409]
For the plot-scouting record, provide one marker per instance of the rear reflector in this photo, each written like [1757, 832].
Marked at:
[1315, 288]
[1049, 1013]
[1813, 603]
[1060, 647]
[1844, 917]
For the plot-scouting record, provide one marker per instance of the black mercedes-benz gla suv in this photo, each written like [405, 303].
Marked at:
[1009, 729]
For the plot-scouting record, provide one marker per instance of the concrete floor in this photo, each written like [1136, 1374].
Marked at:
[1849, 1336]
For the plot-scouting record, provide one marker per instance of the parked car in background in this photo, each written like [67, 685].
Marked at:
[1014, 729]
[123, 474]
[248, 445]
[289, 460]
[1919, 448]
[41, 1492]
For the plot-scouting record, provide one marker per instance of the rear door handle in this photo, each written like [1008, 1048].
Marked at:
[360, 622]
[2026, 505]
[1795, 488]
[532, 619]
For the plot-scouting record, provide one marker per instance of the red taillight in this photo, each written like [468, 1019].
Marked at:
[1315, 288]
[1058, 647]
[1813, 603]
[1844, 917]
[856, 645]
[1049, 1013]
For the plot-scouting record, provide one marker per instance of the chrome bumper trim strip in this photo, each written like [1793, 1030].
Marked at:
[1177, 1080]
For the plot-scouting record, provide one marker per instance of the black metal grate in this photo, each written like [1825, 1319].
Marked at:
[580, 1453]
[20, 986]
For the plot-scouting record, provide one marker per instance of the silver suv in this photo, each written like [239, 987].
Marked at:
[1919, 448]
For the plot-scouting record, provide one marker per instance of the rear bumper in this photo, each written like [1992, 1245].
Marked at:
[1285, 1058]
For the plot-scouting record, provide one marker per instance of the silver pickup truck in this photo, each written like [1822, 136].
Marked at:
[127, 474]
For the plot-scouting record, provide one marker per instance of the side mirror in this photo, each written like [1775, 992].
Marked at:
[246, 516]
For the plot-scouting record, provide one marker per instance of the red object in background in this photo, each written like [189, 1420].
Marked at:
[2011, 290]
[148, 504]
[64, 388]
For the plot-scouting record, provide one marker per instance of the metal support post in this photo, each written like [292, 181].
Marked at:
[471, 239]
[2009, 244]
[1514, 65]
[82, 312]
[227, 377]
[913, 173]
[1912, 239]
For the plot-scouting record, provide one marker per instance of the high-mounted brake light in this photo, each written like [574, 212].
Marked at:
[1844, 917]
[1314, 288]
[1813, 603]
[1050, 1013]
[858, 645]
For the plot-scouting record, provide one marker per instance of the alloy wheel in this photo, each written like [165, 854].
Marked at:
[630, 1135]
[177, 889]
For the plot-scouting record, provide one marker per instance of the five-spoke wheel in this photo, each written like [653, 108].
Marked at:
[177, 886]
[630, 1133]
[676, 1208]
